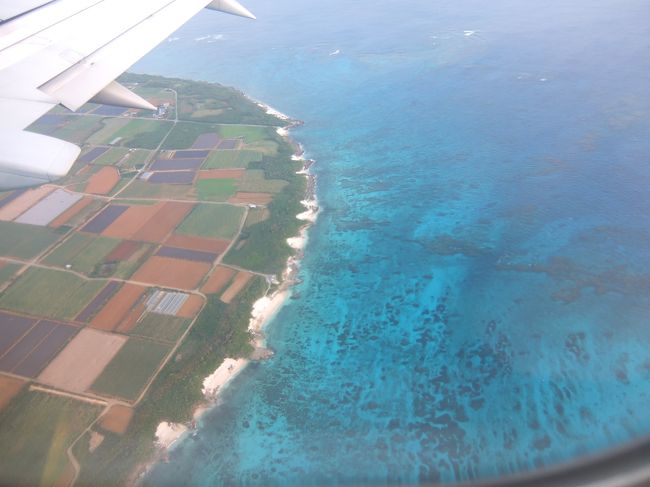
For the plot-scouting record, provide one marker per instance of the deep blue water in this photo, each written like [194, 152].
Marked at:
[476, 295]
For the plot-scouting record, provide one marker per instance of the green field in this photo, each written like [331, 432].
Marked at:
[107, 133]
[82, 252]
[184, 134]
[220, 159]
[255, 182]
[216, 189]
[25, 241]
[161, 327]
[7, 271]
[78, 129]
[218, 221]
[144, 134]
[49, 293]
[249, 133]
[35, 431]
[132, 367]
[142, 189]
[111, 157]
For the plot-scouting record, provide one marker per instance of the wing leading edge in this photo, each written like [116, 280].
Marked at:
[69, 52]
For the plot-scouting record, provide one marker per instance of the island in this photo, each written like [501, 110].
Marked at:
[128, 283]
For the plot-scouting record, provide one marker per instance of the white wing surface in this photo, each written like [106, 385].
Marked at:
[69, 52]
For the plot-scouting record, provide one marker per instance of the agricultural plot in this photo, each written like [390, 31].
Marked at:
[143, 189]
[231, 159]
[149, 223]
[212, 221]
[109, 111]
[117, 419]
[242, 198]
[25, 241]
[255, 182]
[28, 355]
[177, 164]
[166, 303]
[103, 181]
[216, 189]
[192, 135]
[36, 430]
[185, 254]
[111, 157]
[173, 177]
[78, 213]
[82, 252]
[144, 134]
[92, 154]
[7, 271]
[104, 219]
[50, 293]
[122, 267]
[238, 284]
[118, 307]
[9, 388]
[229, 144]
[249, 133]
[161, 327]
[218, 280]
[191, 154]
[202, 244]
[207, 141]
[82, 361]
[98, 302]
[221, 174]
[24, 202]
[131, 369]
[78, 129]
[172, 273]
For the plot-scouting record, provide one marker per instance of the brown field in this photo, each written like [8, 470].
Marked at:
[172, 273]
[64, 217]
[165, 220]
[78, 366]
[123, 251]
[67, 476]
[117, 419]
[222, 174]
[239, 283]
[132, 220]
[9, 387]
[24, 202]
[103, 181]
[218, 279]
[251, 198]
[117, 308]
[202, 244]
[191, 307]
[132, 317]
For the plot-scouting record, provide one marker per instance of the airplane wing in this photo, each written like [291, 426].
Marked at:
[69, 52]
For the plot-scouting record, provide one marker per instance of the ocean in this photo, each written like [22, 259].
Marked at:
[475, 296]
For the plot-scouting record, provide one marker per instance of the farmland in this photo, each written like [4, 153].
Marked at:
[106, 271]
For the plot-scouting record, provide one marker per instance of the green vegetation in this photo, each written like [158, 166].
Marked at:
[25, 241]
[142, 189]
[111, 157]
[78, 129]
[263, 247]
[130, 370]
[82, 252]
[216, 189]
[220, 331]
[161, 327]
[184, 134]
[35, 431]
[107, 133]
[49, 293]
[250, 134]
[126, 268]
[256, 215]
[218, 221]
[254, 181]
[7, 270]
[221, 159]
[144, 134]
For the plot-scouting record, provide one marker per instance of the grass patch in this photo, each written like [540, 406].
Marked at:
[50, 293]
[128, 372]
[111, 157]
[107, 133]
[142, 189]
[250, 134]
[218, 221]
[221, 159]
[7, 271]
[82, 252]
[35, 431]
[144, 134]
[79, 128]
[216, 189]
[161, 327]
[184, 134]
[25, 241]
[254, 181]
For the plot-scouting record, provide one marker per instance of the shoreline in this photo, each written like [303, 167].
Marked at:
[264, 309]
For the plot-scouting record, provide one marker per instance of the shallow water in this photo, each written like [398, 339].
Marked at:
[475, 298]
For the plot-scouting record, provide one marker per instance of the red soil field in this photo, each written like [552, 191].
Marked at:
[191, 307]
[103, 181]
[64, 217]
[239, 283]
[251, 198]
[67, 476]
[132, 220]
[172, 273]
[112, 314]
[164, 221]
[202, 244]
[9, 388]
[218, 279]
[117, 419]
[222, 174]
[123, 251]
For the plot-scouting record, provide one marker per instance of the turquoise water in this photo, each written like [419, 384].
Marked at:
[476, 290]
